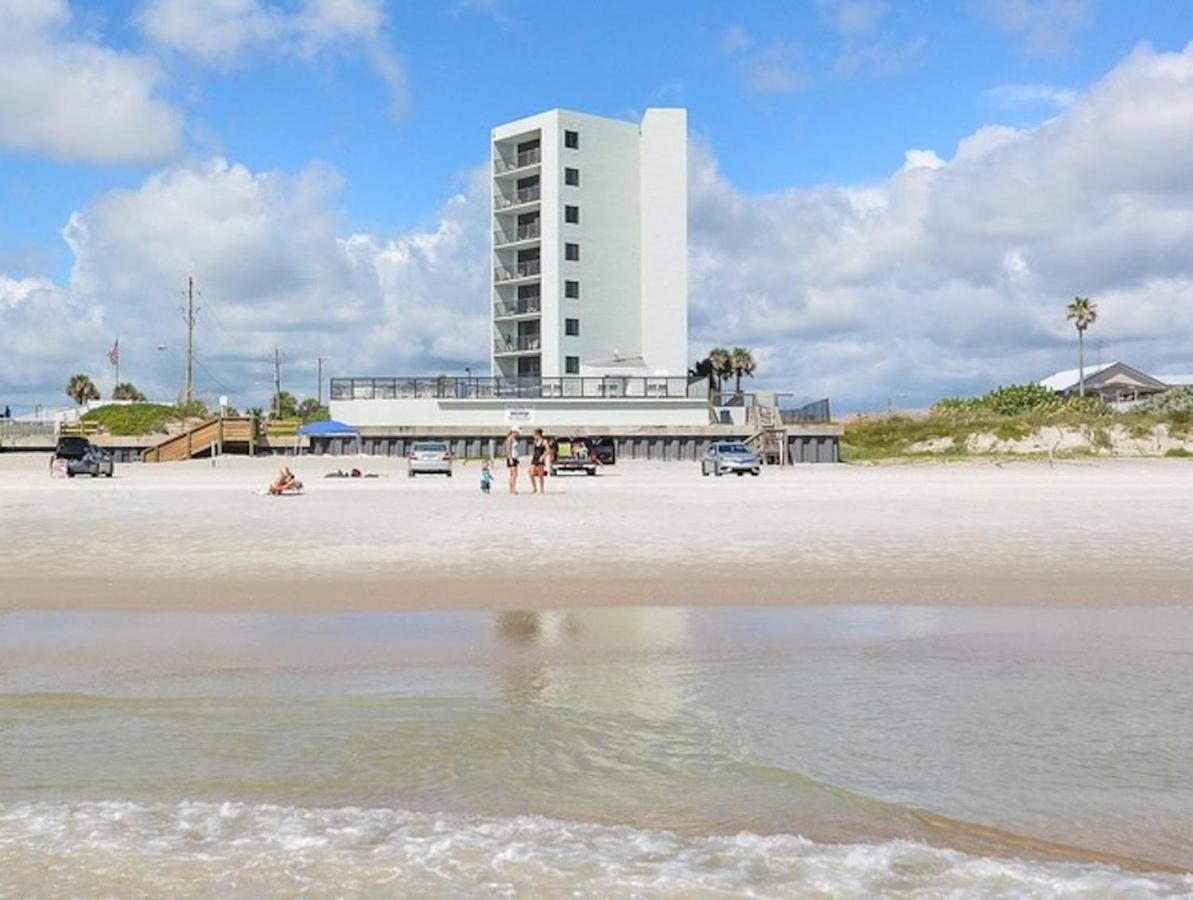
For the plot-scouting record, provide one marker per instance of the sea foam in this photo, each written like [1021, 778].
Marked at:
[238, 849]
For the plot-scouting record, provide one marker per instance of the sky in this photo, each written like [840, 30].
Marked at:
[890, 201]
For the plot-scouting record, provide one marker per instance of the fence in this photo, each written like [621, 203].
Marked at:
[566, 387]
[815, 412]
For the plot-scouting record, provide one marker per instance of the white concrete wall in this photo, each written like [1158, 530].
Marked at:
[547, 413]
[632, 235]
[608, 235]
[664, 204]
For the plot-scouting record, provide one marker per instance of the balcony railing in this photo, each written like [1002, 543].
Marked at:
[518, 345]
[527, 269]
[521, 160]
[527, 306]
[527, 232]
[517, 197]
[567, 387]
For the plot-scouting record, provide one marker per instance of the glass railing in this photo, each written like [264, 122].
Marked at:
[477, 388]
[527, 232]
[524, 307]
[517, 198]
[519, 161]
[517, 345]
[527, 269]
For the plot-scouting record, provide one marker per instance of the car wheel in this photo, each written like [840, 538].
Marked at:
[754, 472]
[410, 473]
[449, 474]
[740, 473]
[70, 474]
[95, 474]
[108, 474]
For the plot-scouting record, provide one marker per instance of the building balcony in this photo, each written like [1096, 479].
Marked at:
[512, 346]
[513, 199]
[519, 234]
[527, 307]
[517, 272]
[505, 165]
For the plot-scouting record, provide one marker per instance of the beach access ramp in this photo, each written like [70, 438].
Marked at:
[211, 436]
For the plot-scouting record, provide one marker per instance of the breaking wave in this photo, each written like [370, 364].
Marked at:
[238, 849]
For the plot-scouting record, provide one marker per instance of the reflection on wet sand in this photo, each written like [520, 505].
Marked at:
[772, 721]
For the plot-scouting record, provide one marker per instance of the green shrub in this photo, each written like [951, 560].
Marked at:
[1177, 401]
[1179, 453]
[134, 418]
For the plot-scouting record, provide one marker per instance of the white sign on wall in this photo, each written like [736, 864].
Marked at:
[518, 415]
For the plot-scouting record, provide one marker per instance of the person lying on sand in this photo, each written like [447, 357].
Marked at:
[285, 483]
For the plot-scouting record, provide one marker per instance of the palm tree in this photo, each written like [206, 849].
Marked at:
[126, 390]
[741, 362]
[722, 364]
[1082, 313]
[81, 388]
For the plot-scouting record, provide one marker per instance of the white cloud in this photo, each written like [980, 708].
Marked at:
[734, 40]
[852, 17]
[1046, 27]
[886, 57]
[775, 68]
[1017, 96]
[73, 99]
[274, 265]
[952, 273]
[224, 33]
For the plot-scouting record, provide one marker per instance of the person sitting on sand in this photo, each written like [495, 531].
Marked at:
[285, 483]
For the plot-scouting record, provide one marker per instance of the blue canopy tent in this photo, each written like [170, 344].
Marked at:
[330, 429]
[327, 428]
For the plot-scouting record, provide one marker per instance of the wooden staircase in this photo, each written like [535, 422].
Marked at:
[209, 436]
[769, 439]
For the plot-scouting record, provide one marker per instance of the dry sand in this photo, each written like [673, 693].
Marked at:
[190, 535]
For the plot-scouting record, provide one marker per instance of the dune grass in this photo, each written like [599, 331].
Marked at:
[134, 418]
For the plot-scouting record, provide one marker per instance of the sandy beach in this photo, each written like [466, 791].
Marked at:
[194, 536]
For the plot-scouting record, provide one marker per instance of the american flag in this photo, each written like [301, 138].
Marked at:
[114, 353]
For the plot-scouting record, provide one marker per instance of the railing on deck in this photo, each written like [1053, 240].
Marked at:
[566, 387]
[815, 412]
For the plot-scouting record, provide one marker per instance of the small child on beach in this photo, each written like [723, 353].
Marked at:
[486, 477]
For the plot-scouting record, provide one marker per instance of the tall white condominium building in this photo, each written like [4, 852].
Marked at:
[590, 245]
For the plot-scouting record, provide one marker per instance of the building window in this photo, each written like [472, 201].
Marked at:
[571, 140]
[571, 365]
[571, 252]
[571, 215]
[571, 290]
[571, 177]
[571, 327]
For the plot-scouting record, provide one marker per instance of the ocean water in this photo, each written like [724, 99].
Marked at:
[828, 752]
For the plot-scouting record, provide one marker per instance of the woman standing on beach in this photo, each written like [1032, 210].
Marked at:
[511, 457]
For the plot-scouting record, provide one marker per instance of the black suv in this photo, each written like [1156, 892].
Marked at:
[83, 458]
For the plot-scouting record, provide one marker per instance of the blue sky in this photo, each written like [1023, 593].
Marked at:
[470, 66]
[392, 102]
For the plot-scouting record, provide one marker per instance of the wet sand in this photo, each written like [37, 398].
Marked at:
[193, 536]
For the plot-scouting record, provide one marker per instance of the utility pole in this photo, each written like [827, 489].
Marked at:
[188, 316]
[277, 381]
[319, 393]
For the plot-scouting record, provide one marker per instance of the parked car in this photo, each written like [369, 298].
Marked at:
[429, 458]
[729, 456]
[84, 458]
[574, 454]
[605, 449]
